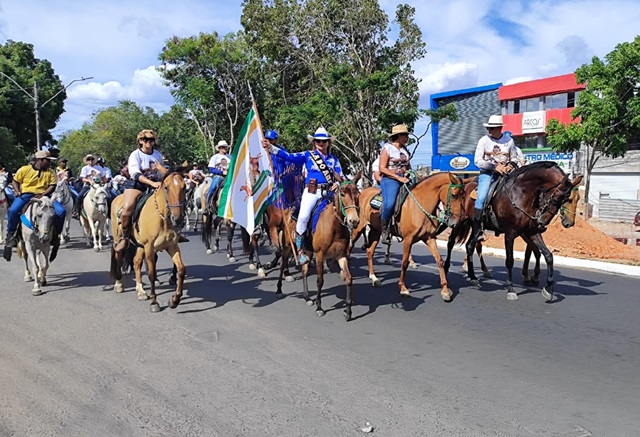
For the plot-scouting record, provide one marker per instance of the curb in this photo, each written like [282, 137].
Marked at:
[620, 269]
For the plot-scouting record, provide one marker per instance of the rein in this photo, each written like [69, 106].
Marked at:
[169, 206]
[447, 211]
[564, 210]
[543, 208]
[343, 209]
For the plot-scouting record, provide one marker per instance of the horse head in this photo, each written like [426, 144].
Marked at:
[174, 191]
[41, 214]
[568, 208]
[348, 201]
[99, 198]
[451, 194]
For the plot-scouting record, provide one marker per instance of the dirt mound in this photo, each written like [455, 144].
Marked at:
[580, 241]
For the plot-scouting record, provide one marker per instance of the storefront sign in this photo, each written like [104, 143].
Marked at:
[562, 159]
[459, 162]
[533, 122]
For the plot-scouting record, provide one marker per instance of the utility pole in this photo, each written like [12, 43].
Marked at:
[36, 106]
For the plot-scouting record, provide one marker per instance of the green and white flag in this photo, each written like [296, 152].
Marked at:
[249, 187]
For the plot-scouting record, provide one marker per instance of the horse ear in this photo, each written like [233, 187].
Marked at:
[185, 163]
[577, 180]
[357, 177]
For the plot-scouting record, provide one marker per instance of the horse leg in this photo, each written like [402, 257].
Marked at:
[28, 277]
[547, 291]
[230, 231]
[181, 271]
[283, 267]
[485, 270]
[525, 265]
[508, 245]
[406, 253]
[450, 243]
[116, 270]
[387, 255]
[319, 282]
[344, 265]
[151, 272]
[100, 232]
[44, 265]
[32, 255]
[254, 244]
[470, 246]
[445, 293]
[137, 267]
[370, 252]
[305, 286]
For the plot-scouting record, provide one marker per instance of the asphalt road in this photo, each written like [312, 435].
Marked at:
[235, 360]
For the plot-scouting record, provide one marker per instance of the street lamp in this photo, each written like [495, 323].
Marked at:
[36, 106]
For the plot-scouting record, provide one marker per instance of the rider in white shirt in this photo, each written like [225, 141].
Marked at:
[218, 166]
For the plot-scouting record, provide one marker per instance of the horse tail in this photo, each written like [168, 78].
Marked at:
[246, 240]
[463, 229]
[207, 227]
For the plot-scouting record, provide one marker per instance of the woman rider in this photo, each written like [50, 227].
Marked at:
[323, 172]
[394, 163]
[143, 164]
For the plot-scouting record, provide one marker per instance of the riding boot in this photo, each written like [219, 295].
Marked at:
[476, 225]
[12, 240]
[302, 257]
[55, 245]
[123, 243]
[385, 236]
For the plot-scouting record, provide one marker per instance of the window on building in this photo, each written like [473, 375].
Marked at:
[513, 107]
[532, 142]
[530, 105]
[557, 101]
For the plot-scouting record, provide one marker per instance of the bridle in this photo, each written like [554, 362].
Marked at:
[342, 208]
[169, 213]
[447, 214]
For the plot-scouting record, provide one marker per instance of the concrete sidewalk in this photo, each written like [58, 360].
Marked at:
[621, 269]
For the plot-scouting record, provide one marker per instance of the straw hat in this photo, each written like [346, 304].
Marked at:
[86, 158]
[221, 143]
[321, 134]
[494, 121]
[399, 129]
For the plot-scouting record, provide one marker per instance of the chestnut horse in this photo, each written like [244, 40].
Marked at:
[156, 230]
[418, 221]
[567, 216]
[523, 206]
[330, 240]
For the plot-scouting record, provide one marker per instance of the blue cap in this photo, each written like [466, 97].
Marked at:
[271, 134]
[508, 132]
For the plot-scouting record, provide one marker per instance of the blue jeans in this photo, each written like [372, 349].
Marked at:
[9, 193]
[13, 218]
[217, 179]
[74, 193]
[390, 189]
[484, 181]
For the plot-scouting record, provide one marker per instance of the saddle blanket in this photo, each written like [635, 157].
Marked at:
[315, 215]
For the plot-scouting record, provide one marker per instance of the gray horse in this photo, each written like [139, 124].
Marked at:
[63, 195]
[37, 230]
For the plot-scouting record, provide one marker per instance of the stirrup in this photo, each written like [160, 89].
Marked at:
[302, 257]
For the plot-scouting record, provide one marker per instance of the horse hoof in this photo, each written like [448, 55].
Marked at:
[289, 278]
[96, 249]
[232, 259]
[548, 297]
[446, 297]
[155, 308]
[118, 288]
[405, 293]
[173, 305]
[209, 251]
[143, 296]
[320, 313]
[36, 292]
[267, 266]
[252, 266]
[475, 283]
[413, 266]
[28, 279]
[309, 302]
[347, 315]
[377, 283]
[43, 282]
[512, 296]
[387, 261]
[261, 273]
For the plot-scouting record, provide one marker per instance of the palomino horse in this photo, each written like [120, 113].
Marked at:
[37, 229]
[526, 203]
[63, 195]
[212, 223]
[567, 216]
[157, 228]
[94, 215]
[418, 222]
[330, 240]
[4, 206]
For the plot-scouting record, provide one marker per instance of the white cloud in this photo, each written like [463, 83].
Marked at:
[448, 76]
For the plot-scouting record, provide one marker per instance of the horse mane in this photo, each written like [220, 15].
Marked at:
[533, 167]
[180, 170]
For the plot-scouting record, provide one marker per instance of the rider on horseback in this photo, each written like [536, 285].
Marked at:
[218, 165]
[394, 163]
[142, 165]
[493, 154]
[88, 175]
[34, 180]
[323, 172]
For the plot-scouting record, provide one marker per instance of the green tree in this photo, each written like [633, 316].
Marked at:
[18, 62]
[180, 138]
[608, 109]
[11, 154]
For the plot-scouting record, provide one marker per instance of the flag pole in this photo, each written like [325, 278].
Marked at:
[287, 220]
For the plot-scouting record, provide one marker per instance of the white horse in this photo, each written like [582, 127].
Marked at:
[37, 230]
[94, 215]
[63, 195]
[4, 206]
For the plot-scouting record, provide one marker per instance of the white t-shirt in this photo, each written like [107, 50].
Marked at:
[491, 151]
[398, 158]
[141, 163]
[89, 171]
[106, 173]
[220, 161]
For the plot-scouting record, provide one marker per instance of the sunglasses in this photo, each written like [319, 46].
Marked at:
[148, 140]
[90, 159]
[322, 141]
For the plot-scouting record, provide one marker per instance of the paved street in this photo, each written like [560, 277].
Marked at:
[235, 360]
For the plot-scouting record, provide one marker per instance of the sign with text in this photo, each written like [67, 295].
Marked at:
[533, 122]
[562, 159]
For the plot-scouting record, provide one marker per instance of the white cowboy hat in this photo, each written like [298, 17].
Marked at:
[399, 129]
[222, 143]
[87, 157]
[494, 121]
[321, 134]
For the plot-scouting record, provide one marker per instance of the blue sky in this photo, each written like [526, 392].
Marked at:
[469, 42]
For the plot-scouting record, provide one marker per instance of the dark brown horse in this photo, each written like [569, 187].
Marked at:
[157, 229]
[418, 221]
[527, 202]
[567, 218]
[330, 240]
